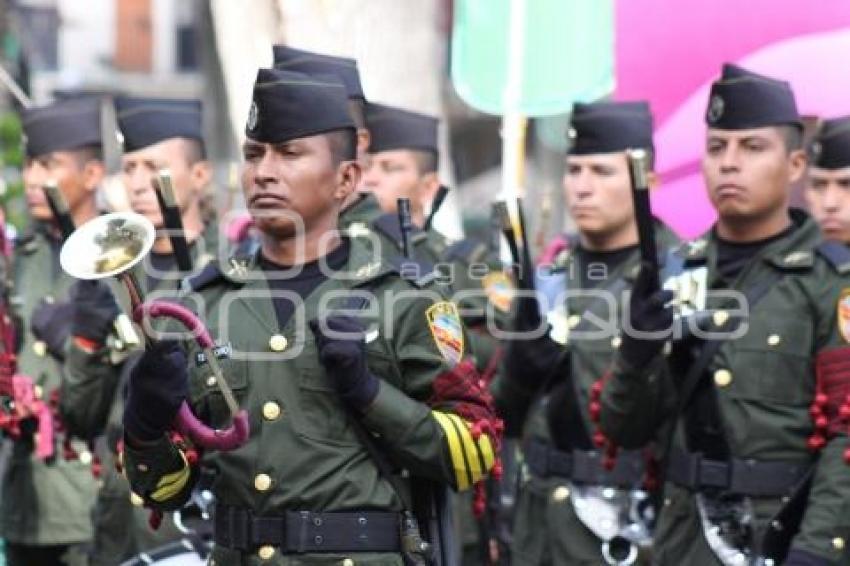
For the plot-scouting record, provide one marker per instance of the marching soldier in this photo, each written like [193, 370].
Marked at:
[547, 390]
[754, 403]
[48, 491]
[394, 364]
[828, 183]
[157, 135]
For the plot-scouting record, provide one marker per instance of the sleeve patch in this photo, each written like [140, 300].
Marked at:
[447, 330]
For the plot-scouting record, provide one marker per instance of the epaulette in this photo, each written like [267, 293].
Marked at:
[418, 273]
[836, 254]
[389, 227]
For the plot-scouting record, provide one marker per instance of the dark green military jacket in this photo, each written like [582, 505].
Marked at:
[93, 405]
[764, 383]
[45, 502]
[303, 453]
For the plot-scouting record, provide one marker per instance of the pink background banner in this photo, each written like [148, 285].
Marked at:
[669, 51]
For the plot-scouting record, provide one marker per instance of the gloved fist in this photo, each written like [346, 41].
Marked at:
[158, 385]
[51, 323]
[649, 312]
[94, 310]
[344, 358]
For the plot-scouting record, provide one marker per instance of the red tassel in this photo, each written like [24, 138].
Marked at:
[155, 519]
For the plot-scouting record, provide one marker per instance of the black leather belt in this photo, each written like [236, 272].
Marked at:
[583, 466]
[307, 532]
[756, 478]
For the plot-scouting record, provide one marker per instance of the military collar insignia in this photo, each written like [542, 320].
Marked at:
[447, 330]
[696, 248]
[368, 270]
[499, 290]
[238, 269]
[358, 230]
[797, 258]
[715, 108]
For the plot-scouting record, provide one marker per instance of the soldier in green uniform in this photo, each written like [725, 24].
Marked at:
[306, 488]
[546, 392]
[157, 134]
[828, 184]
[752, 405]
[47, 500]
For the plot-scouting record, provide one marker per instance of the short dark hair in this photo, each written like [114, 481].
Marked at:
[427, 161]
[343, 145]
[793, 137]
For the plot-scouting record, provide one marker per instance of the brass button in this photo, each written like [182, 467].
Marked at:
[266, 552]
[561, 493]
[271, 411]
[573, 320]
[85, 457]
[838, 543]
[720, 317]
[278, 343]
[136, 500]
[616, 341]
[262, 482]
[722, 377]
[348, 562]
[40, 348]
[774, 339]
[211, 381]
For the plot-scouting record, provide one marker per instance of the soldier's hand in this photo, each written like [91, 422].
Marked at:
[649, 313]
[158, 385]
[94, 311]
[342, 351]
[51, 324]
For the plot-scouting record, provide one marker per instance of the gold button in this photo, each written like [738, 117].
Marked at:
[40, 348]
[38, 391]
[211, 381]
[136, 500]
[561, 493]
[720, 317]
[573, 320]
[277, 343]
[838, 543]
[722, 377]
[262, 482]
[85, 457]
[616, 341]
[271, 411]
[266, 552]
[774, 339]
[348, 562]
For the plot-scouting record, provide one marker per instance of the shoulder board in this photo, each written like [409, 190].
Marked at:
[388, 226]
[836, 254]
[416, 272]
[208, 275]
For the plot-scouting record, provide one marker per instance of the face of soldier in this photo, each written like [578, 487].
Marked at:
[828, 198]
[599, 199]
[295, 184]
[76, 174]
[189, 176]
[747, 172]
[396, 174]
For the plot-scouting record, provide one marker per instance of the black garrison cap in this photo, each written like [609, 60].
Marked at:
[288, 105]
[607, 127]
[62, 126]
[288, 59]
[394, 128]
[146, 121]
[831, 147]
[741, 99]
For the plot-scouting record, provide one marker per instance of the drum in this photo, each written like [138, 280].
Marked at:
[180, 553]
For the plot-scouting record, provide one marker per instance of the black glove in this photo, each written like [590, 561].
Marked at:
[345, 360]
[647, 313]
[94, 312]
[530, 360]
[51, 323]
[157, 387]
[799, 557]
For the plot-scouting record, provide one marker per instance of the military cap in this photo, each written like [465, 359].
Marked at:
[394, 128]
[288, 105]
[741, 99]
[831, 147]
[146, 121]
[62, 126]
[607, 127]
[310, 63]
